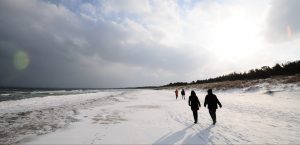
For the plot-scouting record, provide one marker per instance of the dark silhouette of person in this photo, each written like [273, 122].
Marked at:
[183, 94]
[195, 104]
[176, 93]
[212, 101]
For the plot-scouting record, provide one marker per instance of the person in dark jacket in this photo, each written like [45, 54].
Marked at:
[183, 94]
[195, 104]
[212, 101]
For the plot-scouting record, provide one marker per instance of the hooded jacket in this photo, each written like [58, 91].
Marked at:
[211, 100]
[194, 102]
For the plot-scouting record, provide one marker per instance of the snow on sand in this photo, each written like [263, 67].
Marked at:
[155, 117]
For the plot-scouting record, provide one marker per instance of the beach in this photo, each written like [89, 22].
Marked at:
[257, 115]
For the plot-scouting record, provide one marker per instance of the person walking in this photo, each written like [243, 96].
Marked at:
[212, 101]
[176, 93]
[183, 94]
[195, 104]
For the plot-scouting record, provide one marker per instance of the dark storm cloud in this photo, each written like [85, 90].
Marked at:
[283, 17]
[22, 29]
[58, 40]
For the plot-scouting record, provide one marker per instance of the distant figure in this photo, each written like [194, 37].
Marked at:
[183, 94]
[212, 101]
[195, 104]
[176, 93]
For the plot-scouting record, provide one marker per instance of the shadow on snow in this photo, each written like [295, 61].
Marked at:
[196, 137]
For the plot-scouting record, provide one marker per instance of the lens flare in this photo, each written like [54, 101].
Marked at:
[21, 60]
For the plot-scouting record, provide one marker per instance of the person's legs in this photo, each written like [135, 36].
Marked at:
[195, 114]
[214, 116]
[212, 113]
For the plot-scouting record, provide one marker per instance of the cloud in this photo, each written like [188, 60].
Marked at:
[68, 50]
[91, 43]
[129, 6]
[283, 21]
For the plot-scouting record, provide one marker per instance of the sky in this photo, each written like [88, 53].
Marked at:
[127, 43]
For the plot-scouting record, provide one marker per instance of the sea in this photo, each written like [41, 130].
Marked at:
[8, 94]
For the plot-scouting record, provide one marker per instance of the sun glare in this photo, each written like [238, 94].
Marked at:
[235, 38]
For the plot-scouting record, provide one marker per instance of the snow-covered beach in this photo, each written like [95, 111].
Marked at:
[255, 115]
[103, 72]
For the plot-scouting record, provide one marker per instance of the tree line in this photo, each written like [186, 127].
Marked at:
[289, 68]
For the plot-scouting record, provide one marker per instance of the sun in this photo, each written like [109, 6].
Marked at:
[235, 37]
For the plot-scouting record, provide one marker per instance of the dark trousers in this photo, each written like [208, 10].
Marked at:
[212, 113]
[195, 114]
